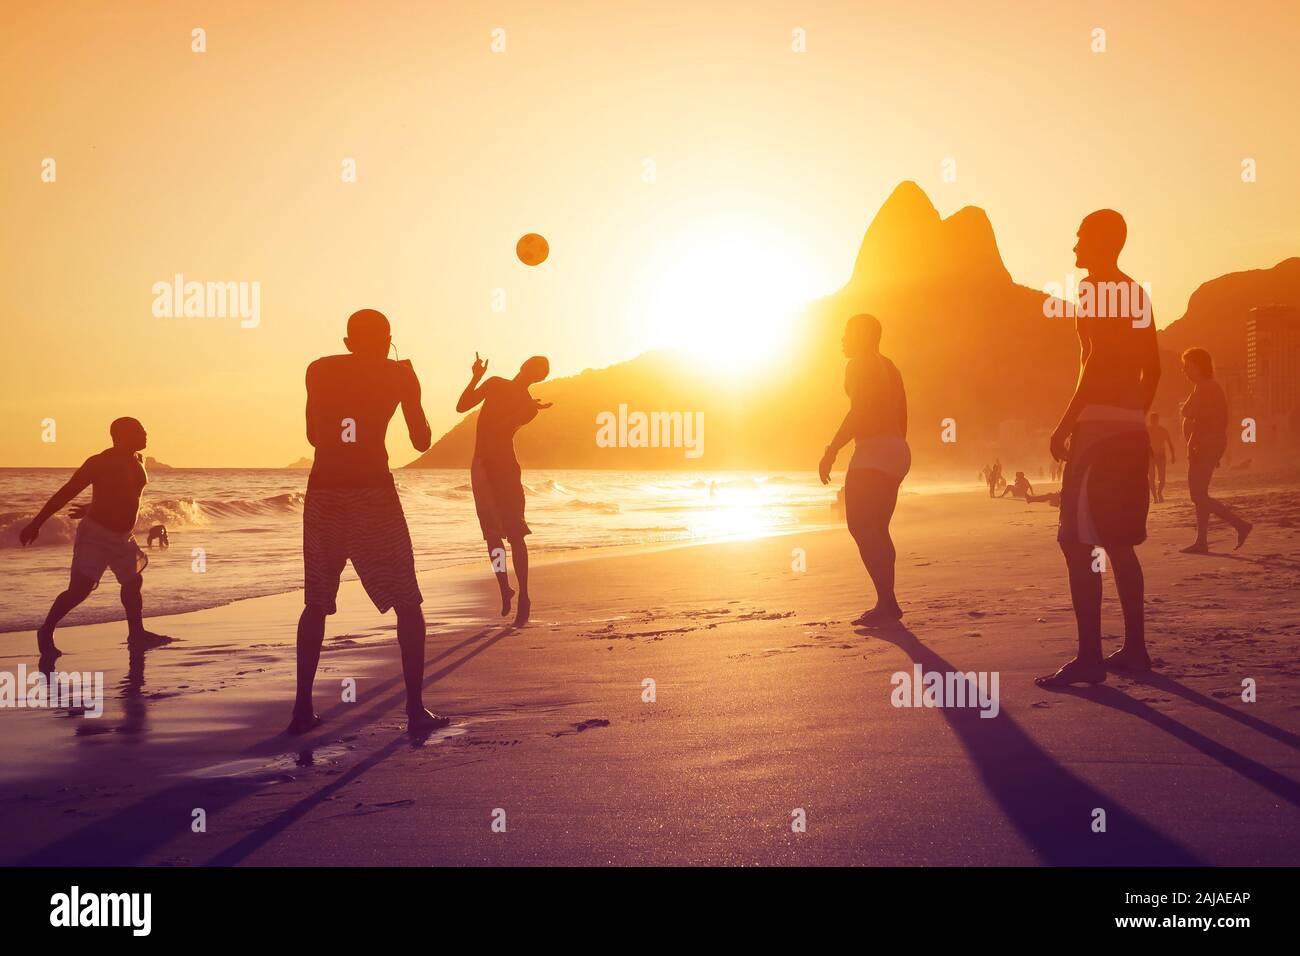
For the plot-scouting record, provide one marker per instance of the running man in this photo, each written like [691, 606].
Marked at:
[494, 472]
[877, 424]
[104, 539]
[1205, 426]
[1160, 440]
[1102, 438]
[352, 510]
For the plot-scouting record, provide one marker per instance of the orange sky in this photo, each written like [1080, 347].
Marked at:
[769, 164]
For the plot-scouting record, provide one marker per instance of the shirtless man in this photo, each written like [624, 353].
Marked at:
[1205, 426]
[494, 472]
[876, 423]
[104, 538]
[1160, 440]
[1102, 439]
[352, 510]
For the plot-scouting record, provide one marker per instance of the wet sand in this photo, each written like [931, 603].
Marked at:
[767, 702]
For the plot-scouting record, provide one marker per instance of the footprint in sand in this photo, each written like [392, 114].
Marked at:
[581, 726]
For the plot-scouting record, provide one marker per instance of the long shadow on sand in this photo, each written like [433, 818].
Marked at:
[132, 832]
[1050, 807]
[1252, 770]
[1170, 686]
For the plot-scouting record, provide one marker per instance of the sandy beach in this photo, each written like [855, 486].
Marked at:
[766, 702]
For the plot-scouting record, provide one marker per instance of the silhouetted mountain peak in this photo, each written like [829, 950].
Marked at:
[908, 242]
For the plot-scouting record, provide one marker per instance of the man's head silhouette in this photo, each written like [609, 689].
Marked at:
[861, 336]
[1198, 365]
[534, 369]
[1101, 237]
[128, 434]
[368, 333]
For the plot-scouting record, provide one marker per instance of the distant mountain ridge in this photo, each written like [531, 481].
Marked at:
[972, 344]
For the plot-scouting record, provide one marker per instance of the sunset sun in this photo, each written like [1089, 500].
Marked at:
[732, 296]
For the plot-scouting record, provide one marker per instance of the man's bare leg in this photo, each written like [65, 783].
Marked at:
[77, 591]
[876, 548]
[519, 553]
[133, 603]
[497, 553]
[311, 634]
[410, 638]
[1131, 585]
[1085, 592]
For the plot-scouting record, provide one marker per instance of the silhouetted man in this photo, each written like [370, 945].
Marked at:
[1103, 440]
[1159, 439]
[1021, 488]
[494, 472]
[1205, 426]
[352, 510]
[876, 423]
[104, 540]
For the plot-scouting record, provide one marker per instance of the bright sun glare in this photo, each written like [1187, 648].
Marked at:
[732, 296]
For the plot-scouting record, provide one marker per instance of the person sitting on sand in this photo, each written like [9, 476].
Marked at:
[1205, 426]
[1160, 440]
[352, 510]
[877, 424]
[104, 539]
[1019, 489]
[494, 472]
[1102, 439]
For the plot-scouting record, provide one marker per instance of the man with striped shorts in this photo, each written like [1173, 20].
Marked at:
[352, 511]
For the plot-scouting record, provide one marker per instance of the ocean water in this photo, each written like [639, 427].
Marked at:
[249, 524]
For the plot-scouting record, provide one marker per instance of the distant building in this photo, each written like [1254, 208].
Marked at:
[1273, 367]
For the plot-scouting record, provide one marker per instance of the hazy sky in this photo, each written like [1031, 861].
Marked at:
[767, 166]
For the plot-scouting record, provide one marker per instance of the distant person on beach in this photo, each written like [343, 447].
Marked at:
[1205, 426]
[1160, 440]
[352, 510]
[1019, 489]
[494, 472]
[876, 423]
[995, 477]
[1102, 438]
[104, 539]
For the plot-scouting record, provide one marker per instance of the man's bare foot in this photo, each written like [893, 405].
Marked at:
[45, 646]
[1126, 659]
[1075, 672]
[425, 723]
[302, 723]
[506, 595]
[1243, 532]
[1197, 547]
[525, 608]
[143, 640]
[878, 615]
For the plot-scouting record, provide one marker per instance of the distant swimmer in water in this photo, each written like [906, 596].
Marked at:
[494, 472]
[104, 540]
[876, 423]
[158, 533]
[1205, 426]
